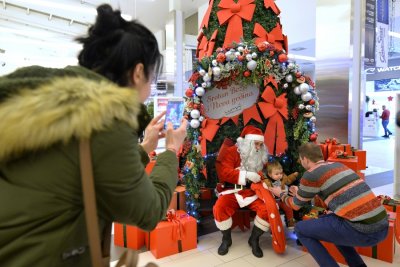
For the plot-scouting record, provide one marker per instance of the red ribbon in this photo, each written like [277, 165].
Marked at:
[209, 129]
[271, 4]
[233, 13]
[205, 47]
[275, 222]
[275, 37]
[206, 18]
[177, 227]
[251, 113]
[274, 108]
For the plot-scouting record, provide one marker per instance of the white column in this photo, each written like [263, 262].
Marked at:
[175, 8]
[357, 76]
[396, 178]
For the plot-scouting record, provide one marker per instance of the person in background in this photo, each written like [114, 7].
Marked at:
[237, 167]
[355, 216]
[385, 121]
[45, 112]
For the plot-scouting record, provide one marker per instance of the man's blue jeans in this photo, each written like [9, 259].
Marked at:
[333, 229]
[384, 125]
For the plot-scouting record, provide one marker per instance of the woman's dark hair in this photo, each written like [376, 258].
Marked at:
[114, 46]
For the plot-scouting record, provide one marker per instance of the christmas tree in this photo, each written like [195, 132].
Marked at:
[243, 76]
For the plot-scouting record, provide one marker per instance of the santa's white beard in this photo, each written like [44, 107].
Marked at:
[251, 159]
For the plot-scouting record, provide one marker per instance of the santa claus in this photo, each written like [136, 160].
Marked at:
[237, 167]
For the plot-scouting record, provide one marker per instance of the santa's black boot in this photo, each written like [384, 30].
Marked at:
[254, 240]
[226, 242]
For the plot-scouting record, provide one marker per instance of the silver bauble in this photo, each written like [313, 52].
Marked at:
[202, 72]
[304, 88]
[289, 78]
[200, 91]
[206, 77]
[252, 65]
[195, 123]
[248, 57]
[301, 106]
[306, 97]
[296, 90]
[308, 107]
[216, 71]
[195, 113]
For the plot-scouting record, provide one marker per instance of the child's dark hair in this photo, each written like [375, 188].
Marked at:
[273, 165]
[114, 46]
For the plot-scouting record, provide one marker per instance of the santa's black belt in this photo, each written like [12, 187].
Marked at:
[236, 186]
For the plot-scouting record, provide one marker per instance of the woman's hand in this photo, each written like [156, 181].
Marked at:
[175, 138]
[153, 132]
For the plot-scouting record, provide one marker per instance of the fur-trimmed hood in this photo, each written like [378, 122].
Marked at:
[58, 109]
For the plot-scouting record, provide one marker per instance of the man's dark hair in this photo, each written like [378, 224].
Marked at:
[311, 151]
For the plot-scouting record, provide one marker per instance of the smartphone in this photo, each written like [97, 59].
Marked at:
[174, 113]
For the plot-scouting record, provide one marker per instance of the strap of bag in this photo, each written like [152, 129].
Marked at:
[100, 257]
[92, 224]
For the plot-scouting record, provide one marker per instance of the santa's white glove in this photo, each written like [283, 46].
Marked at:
[253, 176]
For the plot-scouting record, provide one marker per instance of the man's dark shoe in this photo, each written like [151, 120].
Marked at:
[386, 136]
[390, 133]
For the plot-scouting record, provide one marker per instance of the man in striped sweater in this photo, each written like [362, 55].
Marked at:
[355, 216]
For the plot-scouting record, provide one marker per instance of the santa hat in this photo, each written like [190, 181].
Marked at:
[252, 133]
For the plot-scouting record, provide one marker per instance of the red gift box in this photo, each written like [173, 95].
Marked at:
[170, 237]
[352, 163]
[128, 236]
[384, 250]
[362, 158]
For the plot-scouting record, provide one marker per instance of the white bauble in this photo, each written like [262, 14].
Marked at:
[291, 65]
[214, 62]
[202, 72]
[195, 113]
[306, 97]
[301, 106]
[313, 119]
[254, 55]
[237, 54]
[194, 123]
[200, 91]
[201, 118]
[248, 57]
[296, 90]
[252, 65]
[285, 85]
[230, 56]
[304, 88]
[204, 85]
[289, 78]
[206, 77]
[240, 49]
[216, 71]
[308, 107]
[208, 84]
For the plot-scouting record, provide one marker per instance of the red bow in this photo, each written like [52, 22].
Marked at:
[274, 108]
[271, 4]
[275, 37]
[209, 129]
[233, 13]
[206, 18]
[177, 228]
[205, 47]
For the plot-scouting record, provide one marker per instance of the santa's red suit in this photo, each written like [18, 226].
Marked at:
[232, 177]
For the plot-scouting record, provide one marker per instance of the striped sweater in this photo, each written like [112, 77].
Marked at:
[344, 193]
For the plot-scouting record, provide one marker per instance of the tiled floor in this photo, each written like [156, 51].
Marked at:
[380, 154]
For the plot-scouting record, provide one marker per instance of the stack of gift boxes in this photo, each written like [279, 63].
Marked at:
[382, 251]
[334, 151]
[175, 234]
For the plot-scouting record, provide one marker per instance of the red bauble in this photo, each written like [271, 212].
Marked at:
[312, 102]
[313, 136]
[247, 73]
[345, 154]
[196, 106]
[262, 47]
[298, 74]
[282, 58]
[189, 92]
[240, 58]
[200, 138]
[221, 57]
[271, 53]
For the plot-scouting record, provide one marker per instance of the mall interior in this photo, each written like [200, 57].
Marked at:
[350, 48]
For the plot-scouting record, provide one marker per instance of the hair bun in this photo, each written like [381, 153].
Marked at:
[107, 20]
